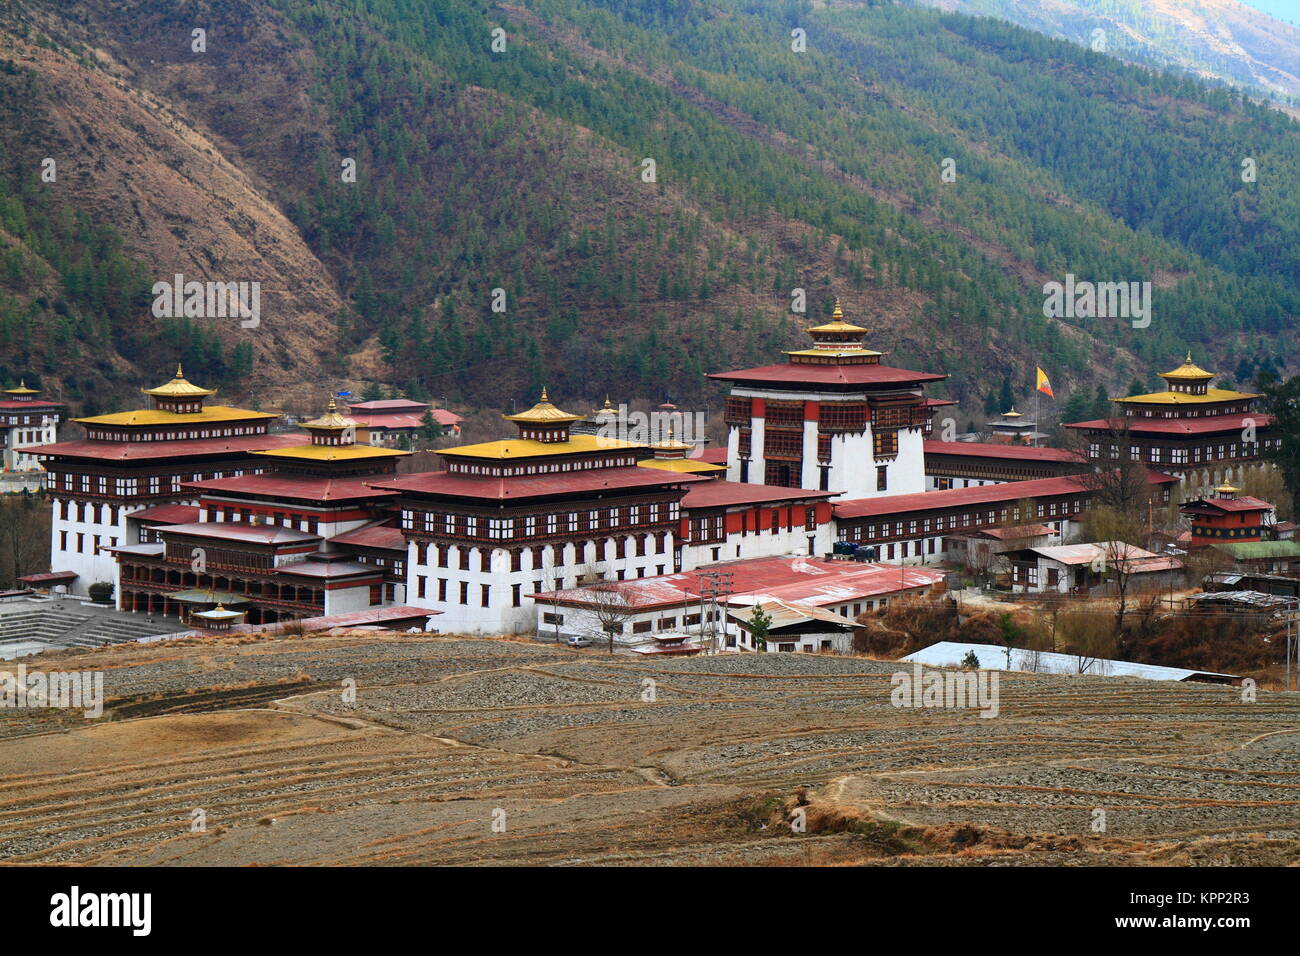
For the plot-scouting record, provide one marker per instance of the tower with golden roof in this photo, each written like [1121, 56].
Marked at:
[1202, 434]
[831, 417]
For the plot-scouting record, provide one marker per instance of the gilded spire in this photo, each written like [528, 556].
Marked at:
[838, 314]
[178, 387]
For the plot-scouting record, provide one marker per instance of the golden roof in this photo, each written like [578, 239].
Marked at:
[1187, 372]
[1226, 489]
[333, 452]
[671, 444]
[837, 323]
[331, 420]
[1186, 398]
[510, 448]
[156, 416]
[605, 411]
[179, 387]
[690, 466]
[1012, 414]
[543, 413]
[22, 389]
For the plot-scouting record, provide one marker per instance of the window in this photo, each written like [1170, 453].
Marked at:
[485, 594]
[882, 478]
[464, 592]
[515, 598]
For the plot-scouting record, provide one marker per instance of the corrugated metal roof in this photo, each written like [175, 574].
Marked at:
[790, 613]
[1245, 550]
[536, 486]
[1006, 492]
[994, 657]
[1207, 424]
[808, 580]
[716, 494]
[799, 373]
[1073, 554]
[1252, 599]
[976, 449]
[145, 450]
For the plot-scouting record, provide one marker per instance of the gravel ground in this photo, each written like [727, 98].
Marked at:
[592, 767]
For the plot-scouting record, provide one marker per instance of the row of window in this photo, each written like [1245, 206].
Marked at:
[532, 526]
[115, 434]
[442, 554]
[543, 468]
[1181, 455]
[129, 487]
[94, 542]
[963, 521]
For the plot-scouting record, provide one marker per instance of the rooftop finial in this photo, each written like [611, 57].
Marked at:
[838, 314]
[544, 398]
[1189, 356]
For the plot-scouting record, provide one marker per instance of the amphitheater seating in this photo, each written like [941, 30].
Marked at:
[61, 626]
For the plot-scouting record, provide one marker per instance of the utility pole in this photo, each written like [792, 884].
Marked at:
[714, 585]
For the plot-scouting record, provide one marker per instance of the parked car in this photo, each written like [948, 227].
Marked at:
[577, 642]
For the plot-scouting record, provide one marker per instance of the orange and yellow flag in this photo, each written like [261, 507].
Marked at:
[1044, 383]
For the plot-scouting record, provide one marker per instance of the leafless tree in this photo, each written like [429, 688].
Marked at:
[606, 603]
[1087, 637]
[24, 537]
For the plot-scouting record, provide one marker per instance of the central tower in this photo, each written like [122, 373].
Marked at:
[830, 417]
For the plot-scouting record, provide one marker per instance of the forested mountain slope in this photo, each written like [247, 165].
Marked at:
[1223, 39]
[522, 170]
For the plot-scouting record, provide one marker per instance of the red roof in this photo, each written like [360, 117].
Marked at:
[329, 570]
[167, 514]
[719, 493]
[801, 580]
[537, 486]
[936, 402]
[1007, 491]
[406, 419]
[794, 373]
[1240, 503]
[1180, 426]
[47, 577]
[387, 405]
[1012, 533]
[295, 487]
[243, 531]
[145, 450]
[385, 536]
[9, 405]
[714, 456]
[976, 449]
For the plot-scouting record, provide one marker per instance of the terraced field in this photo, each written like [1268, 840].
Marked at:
[480, 751]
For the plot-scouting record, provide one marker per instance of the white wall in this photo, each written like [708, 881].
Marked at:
[760, 544]
[501, 617]
[88, 566]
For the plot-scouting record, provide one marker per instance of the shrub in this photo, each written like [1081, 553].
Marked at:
[101, 592]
